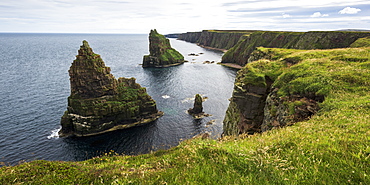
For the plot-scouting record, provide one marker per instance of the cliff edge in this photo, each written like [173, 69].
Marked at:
[161, 52]
[240, 53]
[281, 87]
[100, 103]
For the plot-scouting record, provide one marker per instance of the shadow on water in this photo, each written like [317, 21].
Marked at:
[128, 141]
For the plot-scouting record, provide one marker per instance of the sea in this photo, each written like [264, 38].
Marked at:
[34, 87]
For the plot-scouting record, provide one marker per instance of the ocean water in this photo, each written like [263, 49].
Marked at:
[34, 86]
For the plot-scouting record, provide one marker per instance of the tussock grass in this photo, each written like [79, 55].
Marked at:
[333, 147]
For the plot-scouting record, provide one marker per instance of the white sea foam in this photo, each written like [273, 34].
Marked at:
[54, 133]
[166, 96]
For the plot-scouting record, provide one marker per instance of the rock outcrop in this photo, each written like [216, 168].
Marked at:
[240, 53]
[198, 107]
[284, 86]
[161, 52]
[245, 112]
[197, 110]
[100, 103]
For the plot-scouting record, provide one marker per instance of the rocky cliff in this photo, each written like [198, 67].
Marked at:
[161, 52]
[198, 107]
[280, 87]
[216, 39]
[100, 103]
[240, 53]
[192, 37]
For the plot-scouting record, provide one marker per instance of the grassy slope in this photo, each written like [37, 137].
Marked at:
[331, 148]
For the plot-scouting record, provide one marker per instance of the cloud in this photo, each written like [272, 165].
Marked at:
[139, 16]
[286, 15]
[349, 10]
[318, 14]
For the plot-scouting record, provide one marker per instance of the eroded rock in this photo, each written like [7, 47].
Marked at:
[197, 110]
[100, 103]
[161, 52]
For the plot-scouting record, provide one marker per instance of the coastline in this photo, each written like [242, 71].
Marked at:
[163, 66]
[231, 65]
[144, 121]
[211, 48]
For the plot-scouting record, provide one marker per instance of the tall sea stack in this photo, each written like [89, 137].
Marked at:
[197, 110]
[100, 103]
[198, 107]
[161, 52]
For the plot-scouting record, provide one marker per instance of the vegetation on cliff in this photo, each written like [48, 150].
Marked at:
[161, 52]
[240, 53]
[330, 148]
[100, 103]
[299, 81]
[361, 42]
[216, 39]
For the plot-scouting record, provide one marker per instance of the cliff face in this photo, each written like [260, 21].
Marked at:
[218, 39]
[240, 53]
[161, 52]
[89, 76]
[247, 103]
[100, 103]
[192, 37]
[283, 86]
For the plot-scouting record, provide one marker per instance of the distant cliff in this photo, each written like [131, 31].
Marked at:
[100, 103]
[217, 39]
[280, 87]
[240, 53]
[161, 52]
[192, 37]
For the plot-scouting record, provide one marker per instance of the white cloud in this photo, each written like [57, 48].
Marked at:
[349, 10]
[318, 14]
[139, 16]
[286, 15]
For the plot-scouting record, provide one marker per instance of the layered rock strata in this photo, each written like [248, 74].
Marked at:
[161, 52]
[215, 39]
[268, 94]
[100, 103]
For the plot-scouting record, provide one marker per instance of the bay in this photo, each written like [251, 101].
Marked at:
[34, 86]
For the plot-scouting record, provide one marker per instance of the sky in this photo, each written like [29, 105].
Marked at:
[179, 16]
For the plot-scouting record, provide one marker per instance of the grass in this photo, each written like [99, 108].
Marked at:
[333, 147]
[361, 42]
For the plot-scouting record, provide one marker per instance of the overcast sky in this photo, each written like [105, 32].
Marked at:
[177, 16]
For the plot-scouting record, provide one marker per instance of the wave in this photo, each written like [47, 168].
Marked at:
[54, 133]
[166, 96]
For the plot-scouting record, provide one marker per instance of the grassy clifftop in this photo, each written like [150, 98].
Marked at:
[330, 148]
[240, 53]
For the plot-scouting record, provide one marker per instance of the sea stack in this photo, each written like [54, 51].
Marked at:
[161, 52]
[99, 102]
[197, 110]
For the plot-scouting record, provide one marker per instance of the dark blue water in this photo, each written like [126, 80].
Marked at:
[34, 86]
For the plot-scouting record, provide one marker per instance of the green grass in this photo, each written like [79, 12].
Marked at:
[361, 42]
[333, 147]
